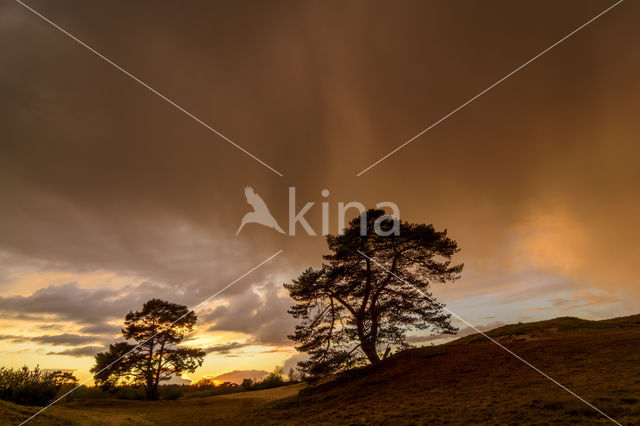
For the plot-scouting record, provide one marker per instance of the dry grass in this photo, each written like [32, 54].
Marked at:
[474, 381]
[468, 381]
[195, 411]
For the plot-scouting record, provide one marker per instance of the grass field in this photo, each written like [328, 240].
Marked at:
[470, 380]
[195, 411]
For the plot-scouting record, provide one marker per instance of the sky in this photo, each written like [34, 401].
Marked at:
[112, 196]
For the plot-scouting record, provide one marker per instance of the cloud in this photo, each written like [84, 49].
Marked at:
[58, 339]
[263, 316]
[226, 348]
[462, 332]
[260, 312]
[275, 351]
[292, 361]
[72, 302]
[82, 351]
[237, 376]
[102, 328]
[578, 300]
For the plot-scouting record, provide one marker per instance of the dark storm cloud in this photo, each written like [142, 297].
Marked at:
[98, 174]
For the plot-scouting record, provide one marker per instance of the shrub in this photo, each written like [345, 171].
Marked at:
[130, 392]
[206, 387]
[84, 393]
[33, 387]
[171, 392]
[273, 380]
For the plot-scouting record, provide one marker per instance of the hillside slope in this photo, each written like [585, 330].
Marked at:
[474, 380]
[470, 380]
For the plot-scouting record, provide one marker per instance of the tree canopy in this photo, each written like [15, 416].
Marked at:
[155, 356]
[352, 311]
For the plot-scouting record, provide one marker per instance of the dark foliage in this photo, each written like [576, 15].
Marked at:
[33, 387]
[207, 387]
[273, 380]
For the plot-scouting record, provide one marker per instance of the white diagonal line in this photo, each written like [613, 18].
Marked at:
[493, 340]
[145, 85]
[491, 87]
[140, 344]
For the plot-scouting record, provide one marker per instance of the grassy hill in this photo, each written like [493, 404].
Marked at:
[474, 380]
[467, 380]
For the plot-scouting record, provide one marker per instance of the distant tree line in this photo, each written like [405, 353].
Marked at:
[40, 387]
[272, 380]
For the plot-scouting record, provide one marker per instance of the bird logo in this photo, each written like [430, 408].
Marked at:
[260, 213]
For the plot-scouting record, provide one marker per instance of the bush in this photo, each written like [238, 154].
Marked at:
[273, 380]
[85, 393]
[207, 387]
[171, 392]
[127, 392]
[34, 387]
[134, 393]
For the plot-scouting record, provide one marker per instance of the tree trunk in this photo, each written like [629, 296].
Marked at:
[156, 381]
[369, 350]
[367, 344]
[151, 390]
[386, 353]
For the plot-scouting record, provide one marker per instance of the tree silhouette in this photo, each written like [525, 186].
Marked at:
[292, 375]
[351, 301]
[158, 329]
